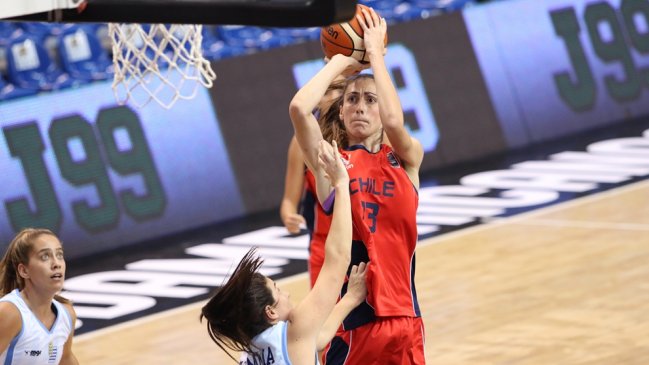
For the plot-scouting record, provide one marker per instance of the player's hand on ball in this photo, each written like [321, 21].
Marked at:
[375, 29]
[353, 65]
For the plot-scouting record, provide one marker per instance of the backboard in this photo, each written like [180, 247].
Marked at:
[271, 13]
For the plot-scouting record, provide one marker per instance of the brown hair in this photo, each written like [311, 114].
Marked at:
[18, 253]
[236, 312]
[327, 118]
[331, 126]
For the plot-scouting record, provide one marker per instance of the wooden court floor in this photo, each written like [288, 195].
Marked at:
[565, 285]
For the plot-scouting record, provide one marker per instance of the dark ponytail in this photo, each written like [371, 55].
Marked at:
[236, 312]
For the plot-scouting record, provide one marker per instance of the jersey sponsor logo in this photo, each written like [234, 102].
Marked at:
[33, 353]
[346, 161]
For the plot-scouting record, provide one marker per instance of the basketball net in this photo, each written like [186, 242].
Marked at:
[158, 62]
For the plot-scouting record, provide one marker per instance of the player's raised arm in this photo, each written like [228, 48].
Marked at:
[405, 146]
[307, 130]
[310, 315]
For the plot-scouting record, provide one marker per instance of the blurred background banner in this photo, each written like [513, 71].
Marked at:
[557, 67]
[104, 175]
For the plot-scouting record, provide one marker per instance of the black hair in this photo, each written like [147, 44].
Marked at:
[236, 313]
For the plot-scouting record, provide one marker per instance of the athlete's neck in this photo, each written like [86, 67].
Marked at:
[40, 305]
[371, 143]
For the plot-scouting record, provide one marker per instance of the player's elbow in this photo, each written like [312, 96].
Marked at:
[392, 122]
[298, 109]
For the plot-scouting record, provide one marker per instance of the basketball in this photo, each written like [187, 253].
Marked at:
[345, 38]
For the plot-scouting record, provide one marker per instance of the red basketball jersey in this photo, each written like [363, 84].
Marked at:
[319, 230]
[384, 205]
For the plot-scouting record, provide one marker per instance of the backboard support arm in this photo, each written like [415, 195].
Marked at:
[271, 13]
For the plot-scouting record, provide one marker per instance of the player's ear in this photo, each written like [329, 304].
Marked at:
[22, 271]
[271, 313]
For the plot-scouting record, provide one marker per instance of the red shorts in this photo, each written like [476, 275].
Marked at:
[386, 341]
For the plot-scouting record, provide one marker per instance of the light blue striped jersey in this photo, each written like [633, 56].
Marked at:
[35, 344]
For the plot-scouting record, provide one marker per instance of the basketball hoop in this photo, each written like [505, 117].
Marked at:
[158, 62]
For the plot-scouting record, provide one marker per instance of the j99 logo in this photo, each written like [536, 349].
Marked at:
[84, 161]
[627, 33]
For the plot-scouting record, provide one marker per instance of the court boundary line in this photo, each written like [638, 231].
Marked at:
[486, 224]
[584, 224]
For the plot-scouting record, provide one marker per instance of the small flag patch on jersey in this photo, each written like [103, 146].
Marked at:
[51, 352]
[392, 159]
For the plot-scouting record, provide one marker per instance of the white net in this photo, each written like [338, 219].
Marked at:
[161, 63]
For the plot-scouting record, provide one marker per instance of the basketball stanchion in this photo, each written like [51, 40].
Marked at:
[158, 62]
